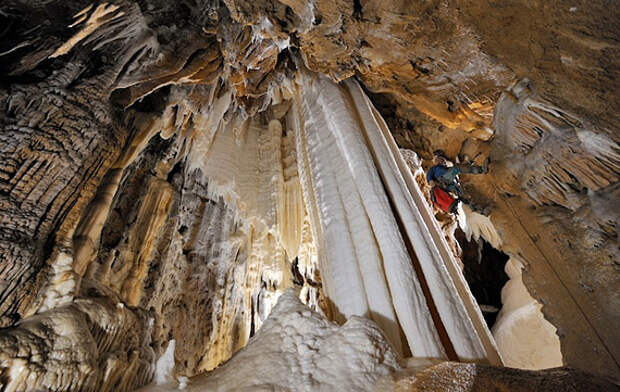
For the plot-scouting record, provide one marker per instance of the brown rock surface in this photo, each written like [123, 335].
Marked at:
[99, 188]
[460, 377]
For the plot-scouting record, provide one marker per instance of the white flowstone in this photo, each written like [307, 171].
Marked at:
[364, 204]
[525, 339]
[298, 350]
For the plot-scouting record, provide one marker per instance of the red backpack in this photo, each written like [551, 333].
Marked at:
[443, 200]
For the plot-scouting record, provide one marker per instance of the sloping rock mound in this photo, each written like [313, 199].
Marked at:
[299, 350]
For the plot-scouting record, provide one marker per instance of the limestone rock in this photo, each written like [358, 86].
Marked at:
[168, 169]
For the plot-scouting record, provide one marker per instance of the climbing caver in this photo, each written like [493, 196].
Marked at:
[446, 182]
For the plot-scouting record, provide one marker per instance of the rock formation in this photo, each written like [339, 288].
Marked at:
[169, 169]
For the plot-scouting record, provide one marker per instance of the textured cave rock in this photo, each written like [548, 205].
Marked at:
[450, 376]
[298, 350]
[119, 231]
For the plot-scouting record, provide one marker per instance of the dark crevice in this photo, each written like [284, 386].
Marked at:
[154, 102]
[252, 315]
[177, 170]
[483, 267]
[298, 279]
[358, 12]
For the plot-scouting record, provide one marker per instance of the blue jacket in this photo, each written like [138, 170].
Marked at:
[435, 172]
[445, 177]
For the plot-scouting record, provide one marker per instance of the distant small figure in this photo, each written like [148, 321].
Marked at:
[446, 182]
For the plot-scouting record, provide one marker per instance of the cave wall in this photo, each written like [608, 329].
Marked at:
[89, 192]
